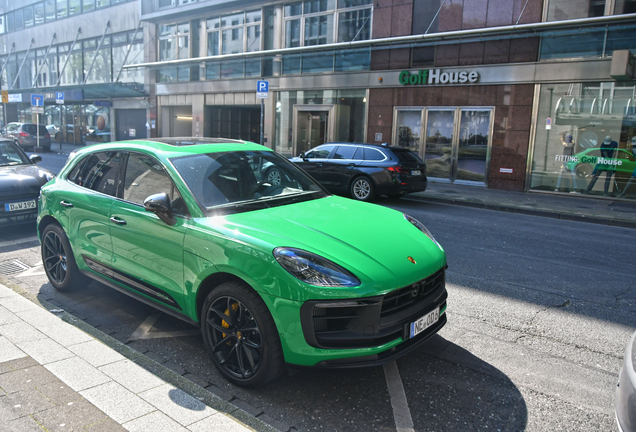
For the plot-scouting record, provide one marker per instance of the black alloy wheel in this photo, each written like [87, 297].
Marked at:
[54, 258]
[240, 335]
[59, 263]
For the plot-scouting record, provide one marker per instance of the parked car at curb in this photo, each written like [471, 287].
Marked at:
[626, 390]
[20, 183]
[26, 135]
[364, 170]
[273, 274]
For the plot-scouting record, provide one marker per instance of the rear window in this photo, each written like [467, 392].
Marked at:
[30, 129]
[404, 155]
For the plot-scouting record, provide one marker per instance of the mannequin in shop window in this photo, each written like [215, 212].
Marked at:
[604, 165]
[631, 179]
[568, 151]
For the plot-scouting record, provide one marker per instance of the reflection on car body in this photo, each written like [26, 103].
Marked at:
[274, 273]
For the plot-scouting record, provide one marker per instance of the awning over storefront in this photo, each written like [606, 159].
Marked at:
[87, 92]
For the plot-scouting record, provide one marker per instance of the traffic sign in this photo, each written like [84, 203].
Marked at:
[59, 97]
[262, 89]
[37, 100]
[37, 109]
[5, 96]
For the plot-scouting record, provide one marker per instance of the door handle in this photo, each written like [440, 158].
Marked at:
[117, 220]
[319, 164]
[66, 204]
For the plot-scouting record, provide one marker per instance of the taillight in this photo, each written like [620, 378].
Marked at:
[47, 136]
[24, 134]
[398, 169]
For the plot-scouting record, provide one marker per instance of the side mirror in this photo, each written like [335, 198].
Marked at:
[35, 158]
[159, 204]
[302, 155]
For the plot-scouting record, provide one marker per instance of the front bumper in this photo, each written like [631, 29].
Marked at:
[360, 331]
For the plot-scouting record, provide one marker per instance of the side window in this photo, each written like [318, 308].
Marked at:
[359, 154]
[74, 175]
[373, 154]
[144, 177]
[99, 172]
[319, 153]
[344, 152]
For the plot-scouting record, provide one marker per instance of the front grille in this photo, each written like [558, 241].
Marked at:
[371, 321]
[17, 194]
[403, 302]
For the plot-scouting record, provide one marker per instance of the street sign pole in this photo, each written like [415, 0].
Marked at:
[262, 91]
[37, 107]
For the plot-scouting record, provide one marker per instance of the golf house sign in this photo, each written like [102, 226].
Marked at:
[436, 76]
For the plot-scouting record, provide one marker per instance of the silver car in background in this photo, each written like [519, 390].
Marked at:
[26, 135]
[626, 390]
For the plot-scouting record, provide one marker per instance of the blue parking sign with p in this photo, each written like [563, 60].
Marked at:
[262, 89]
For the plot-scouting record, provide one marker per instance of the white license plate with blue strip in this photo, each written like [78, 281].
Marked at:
[424, 322]
[17, 206]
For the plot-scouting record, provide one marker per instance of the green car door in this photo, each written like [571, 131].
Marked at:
[148, 252]
[83, 203]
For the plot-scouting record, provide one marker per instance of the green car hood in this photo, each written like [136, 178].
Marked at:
[372, 242]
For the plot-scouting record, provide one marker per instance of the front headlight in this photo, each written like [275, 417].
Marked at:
[420, 226]
[313, 269]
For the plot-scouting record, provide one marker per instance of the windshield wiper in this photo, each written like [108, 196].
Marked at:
[265, 202]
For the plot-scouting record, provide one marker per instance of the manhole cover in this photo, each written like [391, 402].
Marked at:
[15, 266]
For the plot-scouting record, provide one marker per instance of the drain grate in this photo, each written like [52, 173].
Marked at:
[10, 267]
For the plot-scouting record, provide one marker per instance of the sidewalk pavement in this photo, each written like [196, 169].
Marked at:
[599, 210]
[59, 374]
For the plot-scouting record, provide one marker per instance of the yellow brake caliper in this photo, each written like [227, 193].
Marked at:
[225, 324]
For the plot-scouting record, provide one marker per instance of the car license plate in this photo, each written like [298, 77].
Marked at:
[24, 205]
[416, 172]
[425, 322]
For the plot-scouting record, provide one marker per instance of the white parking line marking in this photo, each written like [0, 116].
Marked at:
[16, 242]
[143, 331]
[401, 413]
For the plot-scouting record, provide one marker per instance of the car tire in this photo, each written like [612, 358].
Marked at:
[245, 347]
[362, 189]
[274, 177]
[59, 261]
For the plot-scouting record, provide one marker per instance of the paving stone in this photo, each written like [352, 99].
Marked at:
[20, 332]
[156, 421]
[23, 379]
[138, 346]
[108, 425]
[58, 392]
[77, 373]
[66, 335]
[116, 402]
[177, 404]
[7, 292]
[23, 424]
[197, 379]
[132, 376]
[7, 317]
[96, 353]
[17, 303]
[39, 318]
[21, 363]
[247, 407]
[274, 423]
[65, 418]
[219, 392]
[217, 422]
[8, 351]
[23, 403]
[45, 351]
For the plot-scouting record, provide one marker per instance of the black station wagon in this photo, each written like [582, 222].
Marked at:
[364, 170]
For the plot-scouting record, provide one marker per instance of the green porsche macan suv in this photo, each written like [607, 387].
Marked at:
[273, 274]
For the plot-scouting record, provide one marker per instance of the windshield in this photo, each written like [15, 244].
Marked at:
[10, 154]
[244, 180]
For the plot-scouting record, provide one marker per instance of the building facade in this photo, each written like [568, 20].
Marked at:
[523, 95]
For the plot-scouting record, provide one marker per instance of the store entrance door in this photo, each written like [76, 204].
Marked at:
[131, 124]
[313, 126]
[455, 141]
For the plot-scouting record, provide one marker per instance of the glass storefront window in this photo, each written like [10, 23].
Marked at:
[575, 43]
[589, 148]
[560, 10]
[345, 109]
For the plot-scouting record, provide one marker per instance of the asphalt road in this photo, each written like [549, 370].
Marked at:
[539, 313]
[52, 161]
